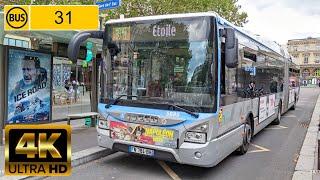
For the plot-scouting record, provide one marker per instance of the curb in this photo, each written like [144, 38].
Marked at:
[77, 159]
[307, 164]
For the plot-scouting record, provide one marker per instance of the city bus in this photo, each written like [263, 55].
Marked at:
[294, 83]
[187, 88]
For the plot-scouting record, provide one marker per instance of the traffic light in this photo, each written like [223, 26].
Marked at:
[89, 47]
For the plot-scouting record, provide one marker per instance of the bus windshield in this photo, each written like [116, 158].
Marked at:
[161, 62]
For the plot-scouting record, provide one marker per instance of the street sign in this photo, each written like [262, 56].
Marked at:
[109, 4]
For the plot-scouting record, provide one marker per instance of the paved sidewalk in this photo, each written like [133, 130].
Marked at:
[307, 164]
[82, 138]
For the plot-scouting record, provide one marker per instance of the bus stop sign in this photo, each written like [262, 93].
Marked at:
[109, 4]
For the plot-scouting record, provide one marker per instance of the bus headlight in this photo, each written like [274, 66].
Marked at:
[195, 137]
[103, 124]
[201, 128]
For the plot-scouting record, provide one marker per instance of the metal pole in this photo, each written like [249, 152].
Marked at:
[76, 85]
[2, 94]
[94, 99]
[2, 85]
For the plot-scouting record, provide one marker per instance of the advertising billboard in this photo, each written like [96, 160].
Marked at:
[28, 86]
[144, 134]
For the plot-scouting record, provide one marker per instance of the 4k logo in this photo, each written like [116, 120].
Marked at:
[38, 150]
[16, 17]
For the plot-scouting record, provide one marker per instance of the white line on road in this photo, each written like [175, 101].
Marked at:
[168, 170]
[277, 127]
[289, 116]
[260, 149]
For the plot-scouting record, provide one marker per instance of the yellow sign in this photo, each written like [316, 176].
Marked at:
[16, 18]
[163, 133]
[38, 150]
[51, 17]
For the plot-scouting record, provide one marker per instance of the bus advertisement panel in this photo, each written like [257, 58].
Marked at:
[144, 134]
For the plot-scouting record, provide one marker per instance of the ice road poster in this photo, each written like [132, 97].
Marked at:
[29, 86]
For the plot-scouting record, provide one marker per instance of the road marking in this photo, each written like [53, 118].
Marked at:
[289, 116]
[168, 170]
[295, 158]
[277, 127]
[260, 149]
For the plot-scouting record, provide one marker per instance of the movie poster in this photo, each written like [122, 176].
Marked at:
[144, 134]
[29, 85]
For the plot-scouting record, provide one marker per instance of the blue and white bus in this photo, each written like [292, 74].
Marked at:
[188, 88]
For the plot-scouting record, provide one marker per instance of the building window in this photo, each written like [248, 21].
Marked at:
[317, 73]
[25, 44]
[306, 60]
[306, 73]
[12, 42]
[18, 43]
[5, 41]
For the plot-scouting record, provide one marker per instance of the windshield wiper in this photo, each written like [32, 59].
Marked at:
[196, 115]
[115, 101]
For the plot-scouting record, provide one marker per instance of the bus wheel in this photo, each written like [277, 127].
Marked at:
[277, 120]
[246, 139]
[294, 104]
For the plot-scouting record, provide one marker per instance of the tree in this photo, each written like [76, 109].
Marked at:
[228, 9]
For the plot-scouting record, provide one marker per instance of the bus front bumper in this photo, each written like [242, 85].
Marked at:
[203, 155]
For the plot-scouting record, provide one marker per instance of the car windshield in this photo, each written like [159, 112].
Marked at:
[161, 62]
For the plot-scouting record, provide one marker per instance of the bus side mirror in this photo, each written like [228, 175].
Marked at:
[231, 48]
[77, 39]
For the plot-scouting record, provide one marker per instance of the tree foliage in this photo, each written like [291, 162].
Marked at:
[228, 9]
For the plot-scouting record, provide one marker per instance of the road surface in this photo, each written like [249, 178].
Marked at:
[272, 155]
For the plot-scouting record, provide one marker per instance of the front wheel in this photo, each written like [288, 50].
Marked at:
[294, 104]
[246, 139]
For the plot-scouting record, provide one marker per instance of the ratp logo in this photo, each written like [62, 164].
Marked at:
[16, 17]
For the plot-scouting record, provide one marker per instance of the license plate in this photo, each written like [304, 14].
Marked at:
[143, 151]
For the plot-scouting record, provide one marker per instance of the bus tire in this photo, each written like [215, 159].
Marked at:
[277, 120]
[294, 104]
[246, 138]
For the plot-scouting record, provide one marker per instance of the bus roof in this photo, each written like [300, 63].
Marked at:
[271, 45]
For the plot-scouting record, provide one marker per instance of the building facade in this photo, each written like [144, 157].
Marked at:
[306, 54]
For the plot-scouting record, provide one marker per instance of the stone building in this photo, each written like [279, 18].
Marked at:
[306, 54]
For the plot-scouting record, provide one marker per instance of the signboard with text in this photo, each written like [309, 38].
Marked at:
[109, 4]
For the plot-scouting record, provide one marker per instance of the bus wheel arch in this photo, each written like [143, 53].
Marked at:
[247, 135]
[251, 119]
[279, 113]
[293, 107]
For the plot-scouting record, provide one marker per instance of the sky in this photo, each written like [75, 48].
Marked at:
[281, 20]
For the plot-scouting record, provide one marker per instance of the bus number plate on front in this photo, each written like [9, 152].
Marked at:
[143, 151]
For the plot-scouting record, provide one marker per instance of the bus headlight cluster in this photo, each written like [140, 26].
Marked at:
[195, 137]
[201, 128]
[103, 124]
